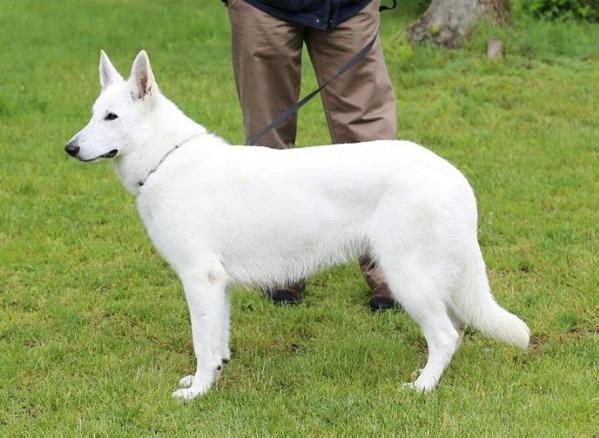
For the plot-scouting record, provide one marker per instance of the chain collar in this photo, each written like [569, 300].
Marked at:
[177, 146]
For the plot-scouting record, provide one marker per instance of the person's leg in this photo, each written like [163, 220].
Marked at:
[380, 297]
[267, 65]
[359, 105]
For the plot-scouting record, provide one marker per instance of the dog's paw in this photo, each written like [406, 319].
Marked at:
[424, 383]
[417, 386]
[186, 381]
[412, 387]
[408, 386]
[192, 392]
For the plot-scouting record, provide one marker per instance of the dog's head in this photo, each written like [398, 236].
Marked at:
[122, 114]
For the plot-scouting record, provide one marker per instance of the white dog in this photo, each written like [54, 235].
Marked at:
[221, 214]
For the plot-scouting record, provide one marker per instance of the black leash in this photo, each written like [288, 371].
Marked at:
[292, 110]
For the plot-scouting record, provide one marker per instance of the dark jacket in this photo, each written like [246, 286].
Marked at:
[319, 14]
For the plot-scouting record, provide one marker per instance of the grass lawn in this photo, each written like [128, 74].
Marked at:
[94, 330]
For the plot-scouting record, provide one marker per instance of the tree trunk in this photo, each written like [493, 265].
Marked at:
[447, 22]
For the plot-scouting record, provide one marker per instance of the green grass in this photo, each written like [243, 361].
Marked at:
[94, 331]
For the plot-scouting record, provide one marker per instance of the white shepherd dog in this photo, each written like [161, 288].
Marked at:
[221, 214]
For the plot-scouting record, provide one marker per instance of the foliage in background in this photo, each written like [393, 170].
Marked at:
[561, 10]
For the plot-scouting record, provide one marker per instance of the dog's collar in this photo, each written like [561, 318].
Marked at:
[173, 149]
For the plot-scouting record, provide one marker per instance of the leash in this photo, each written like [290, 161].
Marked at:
[292, 110]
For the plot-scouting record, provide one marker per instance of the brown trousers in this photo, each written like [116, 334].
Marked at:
[267, 56]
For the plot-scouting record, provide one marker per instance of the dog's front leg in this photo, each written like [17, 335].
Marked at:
[205, 291]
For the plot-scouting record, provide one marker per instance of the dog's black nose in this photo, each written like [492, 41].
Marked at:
[72, 149]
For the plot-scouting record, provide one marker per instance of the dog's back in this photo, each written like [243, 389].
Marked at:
[295, 211]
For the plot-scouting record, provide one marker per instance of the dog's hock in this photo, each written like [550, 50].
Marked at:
[142, 77]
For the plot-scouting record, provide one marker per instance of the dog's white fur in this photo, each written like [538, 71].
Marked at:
[221, 214]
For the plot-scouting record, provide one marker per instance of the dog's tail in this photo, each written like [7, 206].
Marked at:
[478, 308]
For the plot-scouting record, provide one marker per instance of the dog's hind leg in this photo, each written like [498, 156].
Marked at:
[225, 352]
[442, 341]
[205, 290]
[415, 289]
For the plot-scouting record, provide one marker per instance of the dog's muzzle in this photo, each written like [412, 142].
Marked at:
[73, 150]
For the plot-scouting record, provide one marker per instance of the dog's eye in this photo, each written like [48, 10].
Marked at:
[110, 116]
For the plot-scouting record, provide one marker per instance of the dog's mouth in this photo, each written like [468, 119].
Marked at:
[110, 154]
[113, 153]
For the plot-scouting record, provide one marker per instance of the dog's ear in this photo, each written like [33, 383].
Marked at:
[142, 78]
[108, 73]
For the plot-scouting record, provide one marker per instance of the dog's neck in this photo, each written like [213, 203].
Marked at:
[175, 130]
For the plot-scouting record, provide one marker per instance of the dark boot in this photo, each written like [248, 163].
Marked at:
[380, 298]
[290, 294]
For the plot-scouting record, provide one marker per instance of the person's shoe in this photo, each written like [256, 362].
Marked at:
[292, 294]
[381, 299]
